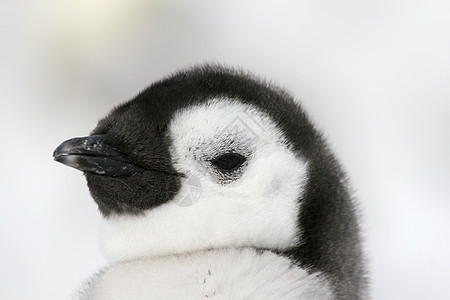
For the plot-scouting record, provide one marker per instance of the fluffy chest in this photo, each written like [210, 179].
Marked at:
[215, 274]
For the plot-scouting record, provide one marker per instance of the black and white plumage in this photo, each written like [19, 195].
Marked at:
[215, 184]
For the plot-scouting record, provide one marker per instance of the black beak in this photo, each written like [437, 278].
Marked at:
[89, 154]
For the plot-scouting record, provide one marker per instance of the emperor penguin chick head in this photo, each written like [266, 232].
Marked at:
[214, 158]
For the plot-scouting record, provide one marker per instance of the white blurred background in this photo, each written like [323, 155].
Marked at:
[374, 75]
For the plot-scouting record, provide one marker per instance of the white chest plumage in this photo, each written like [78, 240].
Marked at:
[216, 274]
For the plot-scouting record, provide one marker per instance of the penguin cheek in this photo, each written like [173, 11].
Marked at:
[132, 195]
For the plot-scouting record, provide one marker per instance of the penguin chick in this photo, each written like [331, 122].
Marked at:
[215, 184]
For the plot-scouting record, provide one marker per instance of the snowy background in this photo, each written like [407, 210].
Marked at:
[374, 75]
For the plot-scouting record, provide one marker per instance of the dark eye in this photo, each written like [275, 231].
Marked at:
[228, 162]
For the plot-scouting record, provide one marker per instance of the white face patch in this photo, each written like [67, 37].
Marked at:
[254, 205]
